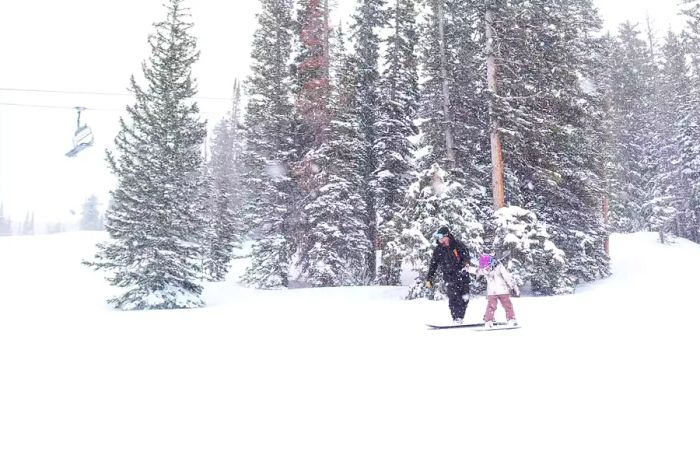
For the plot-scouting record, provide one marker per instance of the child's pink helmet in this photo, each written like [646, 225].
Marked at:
[485, 260]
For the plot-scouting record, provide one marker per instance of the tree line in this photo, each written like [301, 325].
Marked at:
[518, 123]
[90, 220]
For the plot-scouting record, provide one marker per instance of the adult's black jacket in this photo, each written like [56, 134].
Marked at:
[451, 259]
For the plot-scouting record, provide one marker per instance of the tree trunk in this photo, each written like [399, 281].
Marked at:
[327, 42]
[497, 181]
[606, 214]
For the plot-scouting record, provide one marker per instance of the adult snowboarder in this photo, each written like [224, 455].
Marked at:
[452, 257]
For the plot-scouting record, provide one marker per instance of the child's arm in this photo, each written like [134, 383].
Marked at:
[510, 282]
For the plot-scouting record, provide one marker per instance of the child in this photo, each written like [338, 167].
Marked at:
[499, 283]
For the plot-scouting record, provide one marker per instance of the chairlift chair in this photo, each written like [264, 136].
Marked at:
[82, 138]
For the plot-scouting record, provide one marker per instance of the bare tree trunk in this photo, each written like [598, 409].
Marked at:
[652, 39]
[497, 178]
[326, 73]
[606, 220]
[327, 41]
[446, 110]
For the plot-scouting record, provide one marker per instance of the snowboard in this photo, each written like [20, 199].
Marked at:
[498, 327]
[477, 326]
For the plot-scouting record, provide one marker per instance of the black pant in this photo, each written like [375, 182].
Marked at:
[458, 295]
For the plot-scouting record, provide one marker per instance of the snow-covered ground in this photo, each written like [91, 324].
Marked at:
[347, 374]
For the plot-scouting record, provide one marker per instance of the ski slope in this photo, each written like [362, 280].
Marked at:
[346, 374]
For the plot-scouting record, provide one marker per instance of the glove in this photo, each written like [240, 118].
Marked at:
[429, 284]
[515, 292]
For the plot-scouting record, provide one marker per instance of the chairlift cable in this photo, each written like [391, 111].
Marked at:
[45, 106]
[99, 93]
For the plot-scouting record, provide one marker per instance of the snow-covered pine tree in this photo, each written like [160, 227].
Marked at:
[91, 219]
[369, 18]
[395, 127]
[599, 85]
[452, 105]
[453, 109]
[433, 126]
[334, 249]
[549, 124]
[155, 218]
[631, 106]
[438, 31]
[434, 199]
[665, 185]
[226, 201]
[525, 247]
[313, 113]
[469, 107]
[312, 74]
[688, 129]
[270, 150]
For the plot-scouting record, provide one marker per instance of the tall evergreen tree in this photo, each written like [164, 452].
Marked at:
[598, 85]
[91, 219]
[312, 74]
[270, 149]
[631, 104]
[155, 218]
[688, 129]
[549, 124]
[665, 194]
[369, 19]
[453, 108]
[451, 28]
[333, 251]
[396, 127]
[313, 113]
[226, 201]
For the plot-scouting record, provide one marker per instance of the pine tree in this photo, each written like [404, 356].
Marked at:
[312, 74]
[226, 198]
[369, 19]
[434, 199]
[270, 150]
[91, 220]
[547, 124]
[631, 104]
[453, 108]
[333, 251]
[155, 217]
[395, 127]
[525, 247]
[665, 192]
[469, 107]
[313, 113]
[688, 129]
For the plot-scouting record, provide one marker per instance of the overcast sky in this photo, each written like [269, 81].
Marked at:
[94, 46]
